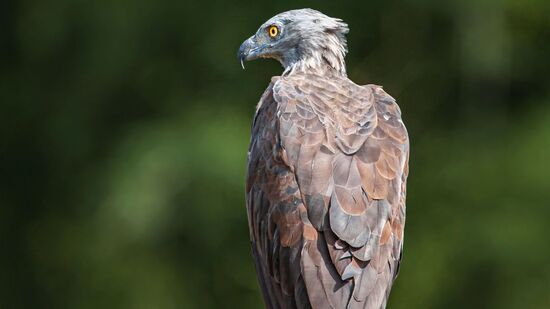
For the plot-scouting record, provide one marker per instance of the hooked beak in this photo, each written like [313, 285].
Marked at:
[248, 51]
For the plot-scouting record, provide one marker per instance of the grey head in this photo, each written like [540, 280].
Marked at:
[304, 38]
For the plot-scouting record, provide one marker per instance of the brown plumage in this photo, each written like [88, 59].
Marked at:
[327, 169]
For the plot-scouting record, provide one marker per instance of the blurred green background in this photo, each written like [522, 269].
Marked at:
[124, 128]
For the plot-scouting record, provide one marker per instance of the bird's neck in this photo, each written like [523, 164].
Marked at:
[322, 60]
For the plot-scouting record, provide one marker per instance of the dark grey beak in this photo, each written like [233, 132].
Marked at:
[246, 51]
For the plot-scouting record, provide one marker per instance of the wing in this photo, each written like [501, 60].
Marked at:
[276, 214]
[348, 150]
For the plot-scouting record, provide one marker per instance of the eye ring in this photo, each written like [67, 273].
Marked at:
[273, 31]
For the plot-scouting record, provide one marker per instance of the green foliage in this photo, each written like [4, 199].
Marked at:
[124, 129]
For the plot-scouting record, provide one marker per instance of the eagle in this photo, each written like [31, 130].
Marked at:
[327, 171]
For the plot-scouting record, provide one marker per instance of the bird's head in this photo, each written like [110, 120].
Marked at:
[299, 38]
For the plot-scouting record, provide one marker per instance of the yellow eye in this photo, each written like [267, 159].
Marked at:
[273, 31]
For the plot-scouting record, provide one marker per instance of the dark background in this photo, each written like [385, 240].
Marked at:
[124, 128]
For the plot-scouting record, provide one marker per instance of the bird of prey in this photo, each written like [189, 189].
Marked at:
[327, 170]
